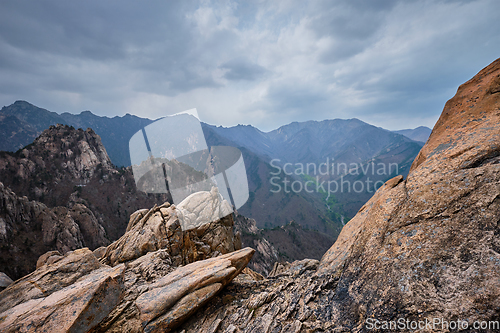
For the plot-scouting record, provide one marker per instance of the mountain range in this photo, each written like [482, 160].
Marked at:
[422, 254]
[337, 142]
[21, 122]
[61, 193]
[341, 144]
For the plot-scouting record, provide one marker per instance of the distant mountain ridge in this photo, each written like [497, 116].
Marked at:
[351, 140]
[337, 142]
[21, 122]
[420, 133]
[32, 121]
[316, 142]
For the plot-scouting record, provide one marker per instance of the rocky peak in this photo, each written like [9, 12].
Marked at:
[164, 227]
[79, 151]
[422, 248]
[464, 122]
[86, 199]
[60, 155]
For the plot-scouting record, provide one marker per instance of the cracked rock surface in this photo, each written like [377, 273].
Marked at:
[150, 280]
[161, 228]
[421, 248]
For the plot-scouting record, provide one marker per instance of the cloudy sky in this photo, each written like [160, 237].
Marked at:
[265, 63]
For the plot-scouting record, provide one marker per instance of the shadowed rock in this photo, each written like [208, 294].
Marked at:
[5, 281]
[30, 227]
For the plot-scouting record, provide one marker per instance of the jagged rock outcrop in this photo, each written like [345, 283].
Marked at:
[72, 309]
[30, 228]
[184, 290]
[55, 274]
[422, 248]
[287, 301]
[161, 228]
[152, 289]
[65, 166]
[68, 172]
[68, 154]
[78, 294]
[265, 254]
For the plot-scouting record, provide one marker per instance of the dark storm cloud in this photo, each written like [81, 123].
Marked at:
[127, 35]
[390, 62]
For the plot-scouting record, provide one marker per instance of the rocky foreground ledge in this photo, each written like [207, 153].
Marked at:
[150, 280]
[79, 294]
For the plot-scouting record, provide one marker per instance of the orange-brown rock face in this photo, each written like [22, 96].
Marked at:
[468, 126]
[424, 248]
[429, 246]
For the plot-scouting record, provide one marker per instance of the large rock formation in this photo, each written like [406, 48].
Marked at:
[30, 228]
[62, 193]
[161, 228]
[421, 250]
[149, 280]
[65, 166]
[78, 294]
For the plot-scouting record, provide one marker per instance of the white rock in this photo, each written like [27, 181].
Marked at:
[202, 207]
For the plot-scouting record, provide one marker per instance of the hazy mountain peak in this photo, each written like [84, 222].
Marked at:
[115, 132]
[420, 133]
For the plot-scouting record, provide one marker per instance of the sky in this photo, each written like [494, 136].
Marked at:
[390, 63]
